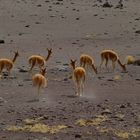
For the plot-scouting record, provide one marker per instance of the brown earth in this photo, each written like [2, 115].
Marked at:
[110, 108]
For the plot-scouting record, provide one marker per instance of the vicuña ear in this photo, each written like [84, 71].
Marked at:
[71, 60]
[49, 49]
[16, 52]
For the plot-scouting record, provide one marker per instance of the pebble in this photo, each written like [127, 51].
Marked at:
[2, 41]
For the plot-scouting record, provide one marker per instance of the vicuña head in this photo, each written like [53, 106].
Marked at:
[73, 63]
[39, 60]
[78, 77]
[87, 61]
[8, 63]
[39, 80]
[113, 56]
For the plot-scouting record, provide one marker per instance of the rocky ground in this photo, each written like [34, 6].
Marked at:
[110, 107]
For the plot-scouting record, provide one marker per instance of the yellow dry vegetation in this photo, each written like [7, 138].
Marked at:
[123, 134]
[33, 121]
[127, 134]
[91, 36]
[39, 128]
[34, 125]
[120, 116]
[97, 121]
[104, 130]
[129, 59]
[117, 77]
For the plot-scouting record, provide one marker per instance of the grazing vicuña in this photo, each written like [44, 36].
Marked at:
[87, 61]
[113, 56]
[39, 60]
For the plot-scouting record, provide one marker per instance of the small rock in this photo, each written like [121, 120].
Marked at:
[65, 79]
[27, 26]
[136, 62]
[99, 105]
[122, 106]
[22, 70]
[47, 1]
[57, 3]
[137, 32]
[137, 79]
[39, 5]
[37, 22]
[95, 15]
[137, 19]
[120, 5]
[106, 111]
[107, 5]
[2, 41]
[20, 85]
[78, 136]
[5, 74]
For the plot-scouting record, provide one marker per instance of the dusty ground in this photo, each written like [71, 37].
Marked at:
[109, 109]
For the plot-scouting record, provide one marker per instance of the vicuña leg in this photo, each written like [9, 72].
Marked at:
[78, 89]
[82, 89]
[1, 68]
[32, 65]
[113, 65]
[106, 63]
[102, 60]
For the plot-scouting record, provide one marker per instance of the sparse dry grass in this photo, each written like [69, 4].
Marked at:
[129, 59]
[38, 127]
[97, 121]
[116, 77]
[34, 125]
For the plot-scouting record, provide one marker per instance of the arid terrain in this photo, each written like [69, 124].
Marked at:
[110, 107]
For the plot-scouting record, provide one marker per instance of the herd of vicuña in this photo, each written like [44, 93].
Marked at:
[79, 72]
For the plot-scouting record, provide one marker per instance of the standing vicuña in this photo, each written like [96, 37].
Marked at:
[8, 63]
[78, 77]
[39, 80]
[113, 56]
[87, 61]
[39, 60]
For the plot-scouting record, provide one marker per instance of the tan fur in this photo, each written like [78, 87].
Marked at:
[8, 63]
[37, 60]
[87, 61]
[113, 56]
[79, 74]
[39, 80]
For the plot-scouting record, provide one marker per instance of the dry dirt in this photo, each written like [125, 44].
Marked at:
[110, 107]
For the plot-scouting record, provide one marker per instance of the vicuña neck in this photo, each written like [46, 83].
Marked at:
[94, 68]
[14, 59]
[47, 58]
[43, 74]
[73, 67]
[120, 63]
